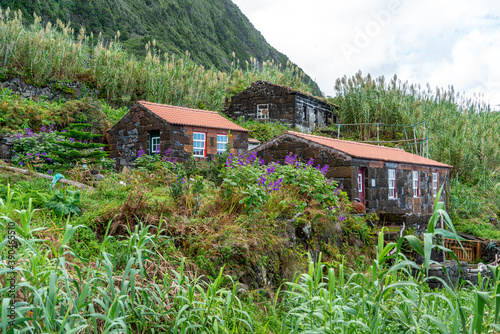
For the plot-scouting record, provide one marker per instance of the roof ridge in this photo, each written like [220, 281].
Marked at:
[343, 140]
[178, 107]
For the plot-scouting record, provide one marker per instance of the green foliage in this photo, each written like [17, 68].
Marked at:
[43, 53]
[38, 150]
[215, 33]
[79, 146]
[18, 114]
[65, 202]
[257, 182]
[263, 131]
[465, 132]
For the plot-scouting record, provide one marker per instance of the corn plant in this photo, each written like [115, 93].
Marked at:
[390, 298]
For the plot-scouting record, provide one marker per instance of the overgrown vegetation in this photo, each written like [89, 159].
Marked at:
[134, 260]
[463, 132]
[214, 33]
[44, 53]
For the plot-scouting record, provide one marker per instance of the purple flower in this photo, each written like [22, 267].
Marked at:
[140, 153]
[64, 131]
[337, 191]
[251, 159]
[271, 169]
[43, 128]
[324, 170]
[341, 218]
[240, 161]
[183, 180]
[49, 160]
[72, 140]
[229, 160]
[44, 154]
[49, 172]
[262, 181]
[29, 132]
[291, 159]
[157, 149]
[21, 163]
[51, 128]
[261, 162]
[102, 148]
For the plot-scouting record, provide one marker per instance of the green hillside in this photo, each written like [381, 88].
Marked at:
[210, 30]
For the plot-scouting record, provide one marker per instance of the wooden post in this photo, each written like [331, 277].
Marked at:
[478, 251]
[442, 239]
[338, 132]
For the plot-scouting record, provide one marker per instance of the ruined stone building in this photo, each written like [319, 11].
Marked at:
[264, 101]
[153, 127]
[384, 179]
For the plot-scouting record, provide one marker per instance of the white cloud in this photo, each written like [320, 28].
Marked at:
[440, 42]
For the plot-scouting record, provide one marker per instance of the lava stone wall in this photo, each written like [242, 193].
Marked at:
[284, 105]
[132, 133]
[344, 169]
[377, 187]
[311, 113]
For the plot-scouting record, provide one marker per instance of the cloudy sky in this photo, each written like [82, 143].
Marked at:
[440, 42]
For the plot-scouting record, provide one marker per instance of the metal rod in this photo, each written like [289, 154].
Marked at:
[423, 144]
[338, 133]
[415, 139]
[378, 127]
[391, 141]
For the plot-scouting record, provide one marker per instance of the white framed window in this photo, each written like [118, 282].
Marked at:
[360, 182]
[416, 184]
[263, 111]
[392, 183]
[221, 143]
[434, 184]
[154, 142]
[199, 144]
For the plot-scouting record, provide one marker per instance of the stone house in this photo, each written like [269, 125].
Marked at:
[384, 179]
[264, 101]
[153, 127]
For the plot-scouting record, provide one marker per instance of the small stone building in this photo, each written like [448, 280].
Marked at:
[264, 101]
[384, 179]
[153, 127]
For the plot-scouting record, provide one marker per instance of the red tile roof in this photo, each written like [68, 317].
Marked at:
[371, 152]
[194, 117]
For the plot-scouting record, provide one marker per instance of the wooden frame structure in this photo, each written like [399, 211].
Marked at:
[471, 250]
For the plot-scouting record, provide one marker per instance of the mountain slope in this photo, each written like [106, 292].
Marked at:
[211, 30]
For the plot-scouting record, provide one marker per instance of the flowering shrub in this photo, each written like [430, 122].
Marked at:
[37, 149]
[157, 161]
[48, 151]
[258, 182]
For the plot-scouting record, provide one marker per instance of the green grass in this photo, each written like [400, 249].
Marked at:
[44, 53]
[150, 277]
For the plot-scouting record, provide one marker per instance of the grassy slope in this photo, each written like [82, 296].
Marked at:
[210, 30]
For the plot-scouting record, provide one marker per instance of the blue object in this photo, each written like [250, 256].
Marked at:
[55, 179]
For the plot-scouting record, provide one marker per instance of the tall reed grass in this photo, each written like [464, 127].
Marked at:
[43, 53]
[464, 132]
